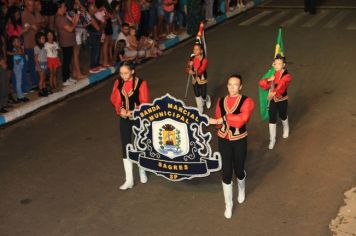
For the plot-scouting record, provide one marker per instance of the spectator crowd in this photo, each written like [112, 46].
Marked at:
[41, 40]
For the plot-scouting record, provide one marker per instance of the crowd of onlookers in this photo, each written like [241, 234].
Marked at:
[42, 39]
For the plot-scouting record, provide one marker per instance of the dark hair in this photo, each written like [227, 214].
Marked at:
[129, 64]
[59, 4]
[280, 57]
[11, 41]
[54, 35]
[121, 43]
[38, 37]
[200, 45]
[125, 25]
[10, 16]
[237, 76]
[114, 4]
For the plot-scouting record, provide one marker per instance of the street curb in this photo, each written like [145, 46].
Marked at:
[302, 7]
[32, 106]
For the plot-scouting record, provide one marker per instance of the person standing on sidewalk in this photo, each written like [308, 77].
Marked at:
[66, 36]
[41, 63]
[30, 27]
[17, 55]
[95, 32]
[168, 8]
[132, 12]
[209, 11]
[51, 47]
[278, 97]
[194, 16]
[128, 93]
[4, 87]
[231, 116]
[80, 36]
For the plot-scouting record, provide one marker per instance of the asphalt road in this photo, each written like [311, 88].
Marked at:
[60, 169]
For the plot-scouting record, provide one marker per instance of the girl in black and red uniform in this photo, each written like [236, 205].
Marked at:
[278, 97]
[196, 67]
[231, 115]
[127, 94]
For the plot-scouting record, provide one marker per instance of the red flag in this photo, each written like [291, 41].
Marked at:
[200, 39]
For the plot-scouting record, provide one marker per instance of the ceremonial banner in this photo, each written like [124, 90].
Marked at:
[279, 49]
[169, 140]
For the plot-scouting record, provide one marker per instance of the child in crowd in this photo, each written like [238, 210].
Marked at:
[41, 63]
[144, 48]
[120, 52]
[51, 47]
[150, 46]
[132, 48]
[16, 52]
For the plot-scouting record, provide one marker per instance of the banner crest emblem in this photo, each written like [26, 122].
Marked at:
[169, 140]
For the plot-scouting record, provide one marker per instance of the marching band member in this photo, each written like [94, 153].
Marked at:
[128, 93]
[231, 115]
[196, 67]
[278, 97]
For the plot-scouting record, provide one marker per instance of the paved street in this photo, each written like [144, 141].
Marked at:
[60, 169]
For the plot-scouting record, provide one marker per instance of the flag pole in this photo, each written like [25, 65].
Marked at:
[187, 87]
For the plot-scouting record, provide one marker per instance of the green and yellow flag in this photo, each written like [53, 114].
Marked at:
[264, 93]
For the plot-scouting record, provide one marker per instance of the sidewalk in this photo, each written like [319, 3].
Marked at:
[322, 4]
[20, 111]
[345, 222]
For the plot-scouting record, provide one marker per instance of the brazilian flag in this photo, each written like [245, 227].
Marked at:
[264, 93]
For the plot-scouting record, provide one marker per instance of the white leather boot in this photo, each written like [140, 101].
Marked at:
[143, 176]
[241, 189]
[200, 104]
[129, 182]
[227, 189]
[272, 135]
[285, 128]
[208, 102]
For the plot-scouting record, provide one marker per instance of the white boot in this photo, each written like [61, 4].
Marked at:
[208, 102]
[143, 176]
[272, 135]
[241, 188]
[285, 128]
[200, 105]
[128, 174]
[227, 189]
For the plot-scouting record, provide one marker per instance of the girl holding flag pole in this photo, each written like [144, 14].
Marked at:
[277, 97]
[196, 69]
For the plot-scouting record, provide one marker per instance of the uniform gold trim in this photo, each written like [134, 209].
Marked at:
[199, 79]
[129, 94]
[225, 129]
[280, 99]
[237, 102]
